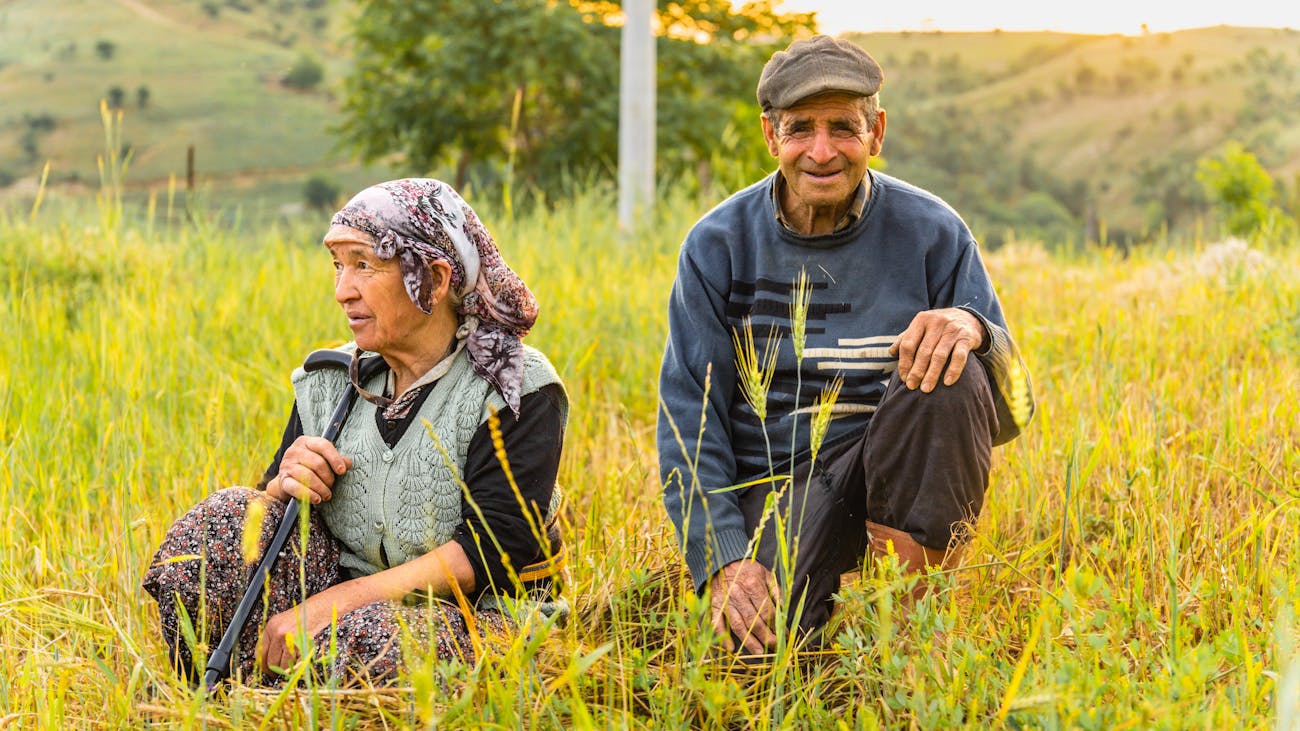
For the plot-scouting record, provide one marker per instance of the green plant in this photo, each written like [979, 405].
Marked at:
[305, 74]
[105, 49]
[320, 193]
[1240, 188]
[116, 97]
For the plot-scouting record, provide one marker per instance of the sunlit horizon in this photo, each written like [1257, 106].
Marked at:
[1102, 17]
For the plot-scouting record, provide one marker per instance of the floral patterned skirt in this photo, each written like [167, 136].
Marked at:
[199, 575]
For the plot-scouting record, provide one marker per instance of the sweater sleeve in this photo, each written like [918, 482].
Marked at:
[694, 434]
[532, 445]
[972, 291]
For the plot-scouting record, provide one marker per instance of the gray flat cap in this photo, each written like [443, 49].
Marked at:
[815, 66]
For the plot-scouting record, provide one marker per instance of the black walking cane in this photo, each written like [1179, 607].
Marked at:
[219, 662]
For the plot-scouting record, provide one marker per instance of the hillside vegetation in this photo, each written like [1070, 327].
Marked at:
[1051, 135]
[207, 75]
[1015, 126]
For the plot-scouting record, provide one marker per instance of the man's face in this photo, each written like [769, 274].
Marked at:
[823, 145]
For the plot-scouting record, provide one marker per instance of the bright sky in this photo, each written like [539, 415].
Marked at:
[1097, 16]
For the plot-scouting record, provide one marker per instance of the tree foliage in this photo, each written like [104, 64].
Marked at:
[437, 81]
[320, 193]
[305, 74]
[1166, 183]
[1240, 188]
[1001, 190]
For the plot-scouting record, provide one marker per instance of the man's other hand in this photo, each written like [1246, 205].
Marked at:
[743, 598]
[936, 338]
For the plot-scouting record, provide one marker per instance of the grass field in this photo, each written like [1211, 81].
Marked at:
[1136, 565]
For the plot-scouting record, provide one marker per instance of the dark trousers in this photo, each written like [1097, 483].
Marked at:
[921, 466]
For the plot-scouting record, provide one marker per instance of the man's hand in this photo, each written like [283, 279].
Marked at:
[743, 596]
[308, 469]
[936, 338]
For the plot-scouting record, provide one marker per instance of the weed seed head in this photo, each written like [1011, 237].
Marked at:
[755, 371]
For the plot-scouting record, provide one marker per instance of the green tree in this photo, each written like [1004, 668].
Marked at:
[1239, 187]
[305, 74]
[437, 81]
[320, 193]
[1166, 183]
[710, 59]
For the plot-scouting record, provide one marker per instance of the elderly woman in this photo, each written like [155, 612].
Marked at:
[438, 491]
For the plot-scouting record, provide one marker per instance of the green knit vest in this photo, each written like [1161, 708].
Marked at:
[398, 504]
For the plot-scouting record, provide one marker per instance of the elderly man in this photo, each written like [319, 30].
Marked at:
[897, 302]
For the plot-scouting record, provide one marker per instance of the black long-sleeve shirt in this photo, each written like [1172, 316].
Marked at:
[532, 444]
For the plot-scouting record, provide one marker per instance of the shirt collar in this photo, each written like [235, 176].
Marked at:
[854, 212]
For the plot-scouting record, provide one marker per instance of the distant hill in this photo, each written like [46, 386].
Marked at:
[208, 74]
[1111, 126]
[1049, 132]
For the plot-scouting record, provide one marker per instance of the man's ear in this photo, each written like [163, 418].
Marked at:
[878, 134]
[769, 135]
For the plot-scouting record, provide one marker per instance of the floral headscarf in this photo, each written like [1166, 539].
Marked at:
[421, 220]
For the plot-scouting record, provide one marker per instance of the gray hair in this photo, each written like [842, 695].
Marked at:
[868, 105]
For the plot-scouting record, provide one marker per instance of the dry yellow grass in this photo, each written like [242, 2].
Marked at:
[1133, 569]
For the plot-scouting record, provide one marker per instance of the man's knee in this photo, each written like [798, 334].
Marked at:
[928, 457]
[961, 416]
[971, 392]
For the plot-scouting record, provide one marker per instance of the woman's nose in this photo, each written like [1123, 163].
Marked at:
[344, 291]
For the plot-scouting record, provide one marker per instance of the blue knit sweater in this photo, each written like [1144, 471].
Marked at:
[908, 252]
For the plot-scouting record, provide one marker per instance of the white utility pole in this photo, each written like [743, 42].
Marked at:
[636, 114]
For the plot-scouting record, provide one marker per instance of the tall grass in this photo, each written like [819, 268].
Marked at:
[1133, 568]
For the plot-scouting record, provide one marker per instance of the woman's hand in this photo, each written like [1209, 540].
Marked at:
[434, 572]
[281, 643]
[307, 470]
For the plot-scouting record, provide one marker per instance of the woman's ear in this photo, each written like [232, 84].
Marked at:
[441, 272]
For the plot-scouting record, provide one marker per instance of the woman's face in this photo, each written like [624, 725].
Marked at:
[382, 316]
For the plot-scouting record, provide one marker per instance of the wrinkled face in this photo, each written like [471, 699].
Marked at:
[823, 146]
[370, 290]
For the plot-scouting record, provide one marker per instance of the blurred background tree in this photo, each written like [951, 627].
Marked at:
[1240, 188]
[116, 97]
[305, 74]
[321, 193]
[436, 82]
